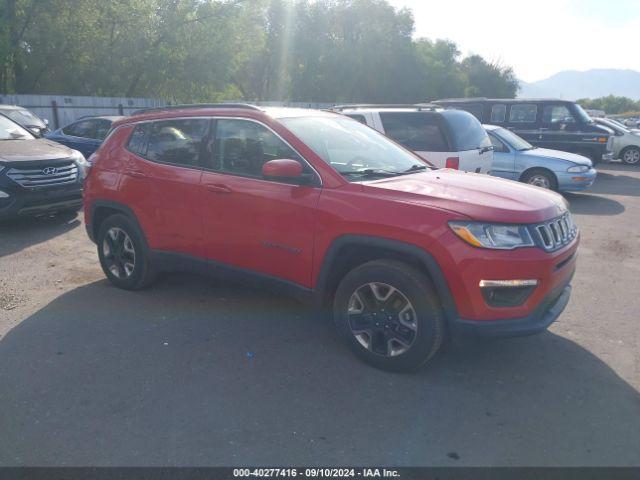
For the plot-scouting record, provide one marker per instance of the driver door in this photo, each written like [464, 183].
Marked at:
[249, 222]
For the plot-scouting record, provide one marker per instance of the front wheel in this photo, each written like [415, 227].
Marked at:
[541, 178]
[388, 313]
[631, 156]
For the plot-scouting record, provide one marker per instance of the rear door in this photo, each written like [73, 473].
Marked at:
[168, 165]
[422, 132]
[523, 120]
[84, 135]
[469, 140]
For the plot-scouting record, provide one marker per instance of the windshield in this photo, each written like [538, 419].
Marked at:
[516, 142]
[12, 131]
[23, 117]
[618, 127]
[353, 149]
[584, 116]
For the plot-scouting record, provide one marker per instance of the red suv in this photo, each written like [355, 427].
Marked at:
[319, 206]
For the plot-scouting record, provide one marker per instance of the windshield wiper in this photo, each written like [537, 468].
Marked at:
[415, 168]
[371, 172]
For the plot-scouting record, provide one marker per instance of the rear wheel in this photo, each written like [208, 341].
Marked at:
[631, 156]
[123, 255]
[540, 178]
[389, 315]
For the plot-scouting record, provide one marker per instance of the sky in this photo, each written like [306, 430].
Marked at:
[536, 37]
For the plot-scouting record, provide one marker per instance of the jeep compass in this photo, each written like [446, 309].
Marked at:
[326, 209]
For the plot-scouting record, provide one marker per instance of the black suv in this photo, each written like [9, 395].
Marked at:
[37, 175]
[555, 124]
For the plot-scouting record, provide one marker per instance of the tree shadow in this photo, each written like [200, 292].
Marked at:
[20, 233]
[193, 372]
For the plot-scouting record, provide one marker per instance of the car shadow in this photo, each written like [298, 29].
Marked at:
[610, 180]
[588, 204]
[20, 233]
[194, 372]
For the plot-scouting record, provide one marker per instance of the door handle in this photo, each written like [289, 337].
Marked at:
[217, 188]
[136, 173]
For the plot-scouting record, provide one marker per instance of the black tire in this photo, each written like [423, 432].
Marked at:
[630, 156]
[143, 273]
[428, 325]
[537, 176]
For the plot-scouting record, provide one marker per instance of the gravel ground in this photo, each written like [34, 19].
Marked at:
[194, 372]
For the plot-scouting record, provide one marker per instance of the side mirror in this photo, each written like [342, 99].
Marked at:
[282, 169]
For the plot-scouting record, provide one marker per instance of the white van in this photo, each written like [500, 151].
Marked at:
[445, 138]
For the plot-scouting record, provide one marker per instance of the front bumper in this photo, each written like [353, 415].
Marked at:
[546, 313]
[607, 157]
[25, 202]
[576, 181]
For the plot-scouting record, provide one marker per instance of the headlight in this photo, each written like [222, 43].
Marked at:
[83, 165]
[495, 236]
[578, 169]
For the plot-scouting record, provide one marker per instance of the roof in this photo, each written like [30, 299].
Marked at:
[383, 106]
[232, 109]
[12, 107]
[499, 100]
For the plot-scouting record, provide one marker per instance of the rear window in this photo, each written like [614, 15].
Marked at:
[178, 142]
[466, 130]
[498, 113]
[417, 131]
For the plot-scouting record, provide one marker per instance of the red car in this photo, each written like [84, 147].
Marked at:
[319, 206]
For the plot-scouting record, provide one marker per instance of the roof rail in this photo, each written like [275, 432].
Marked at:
[354, 106]
[197, 105]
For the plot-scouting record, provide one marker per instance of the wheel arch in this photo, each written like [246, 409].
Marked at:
[103, 209]
[546, 170]
[349, 251]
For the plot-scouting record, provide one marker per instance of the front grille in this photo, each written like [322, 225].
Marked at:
[47, 175]
[556, 233]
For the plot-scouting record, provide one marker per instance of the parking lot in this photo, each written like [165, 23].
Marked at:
[198, 372]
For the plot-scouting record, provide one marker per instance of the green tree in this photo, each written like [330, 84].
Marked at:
[485, 79]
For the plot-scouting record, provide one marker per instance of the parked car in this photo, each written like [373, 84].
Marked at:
[626, 144]
[85, 134]
[26, 119]
[516, 159]
[547, 123]
[330, 211]
[37, 175]
[632, 122]
[445, 138]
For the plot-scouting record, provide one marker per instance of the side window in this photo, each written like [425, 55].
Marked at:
[136, 142]
[358, 117]
[498, 146]
[523, 113]
[102, 128]
[242, 147]
[179, 142]
[417, 131]
[83, 129]
[498, 113]
[555, 114]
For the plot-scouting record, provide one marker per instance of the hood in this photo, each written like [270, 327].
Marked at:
[557, 154]
[29, 150]
[479, 197]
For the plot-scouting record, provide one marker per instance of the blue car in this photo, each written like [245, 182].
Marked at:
[85, 134]
[516, 159]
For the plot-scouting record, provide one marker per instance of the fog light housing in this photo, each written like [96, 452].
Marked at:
[507, 293]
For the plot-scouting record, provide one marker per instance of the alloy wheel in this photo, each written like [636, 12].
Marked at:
[382, 319]
[540, 181]
[119, 253]
[632, 156]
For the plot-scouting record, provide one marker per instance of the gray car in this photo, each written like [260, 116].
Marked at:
[516, 159]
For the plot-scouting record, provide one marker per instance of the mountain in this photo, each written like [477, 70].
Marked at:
[572, 84]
